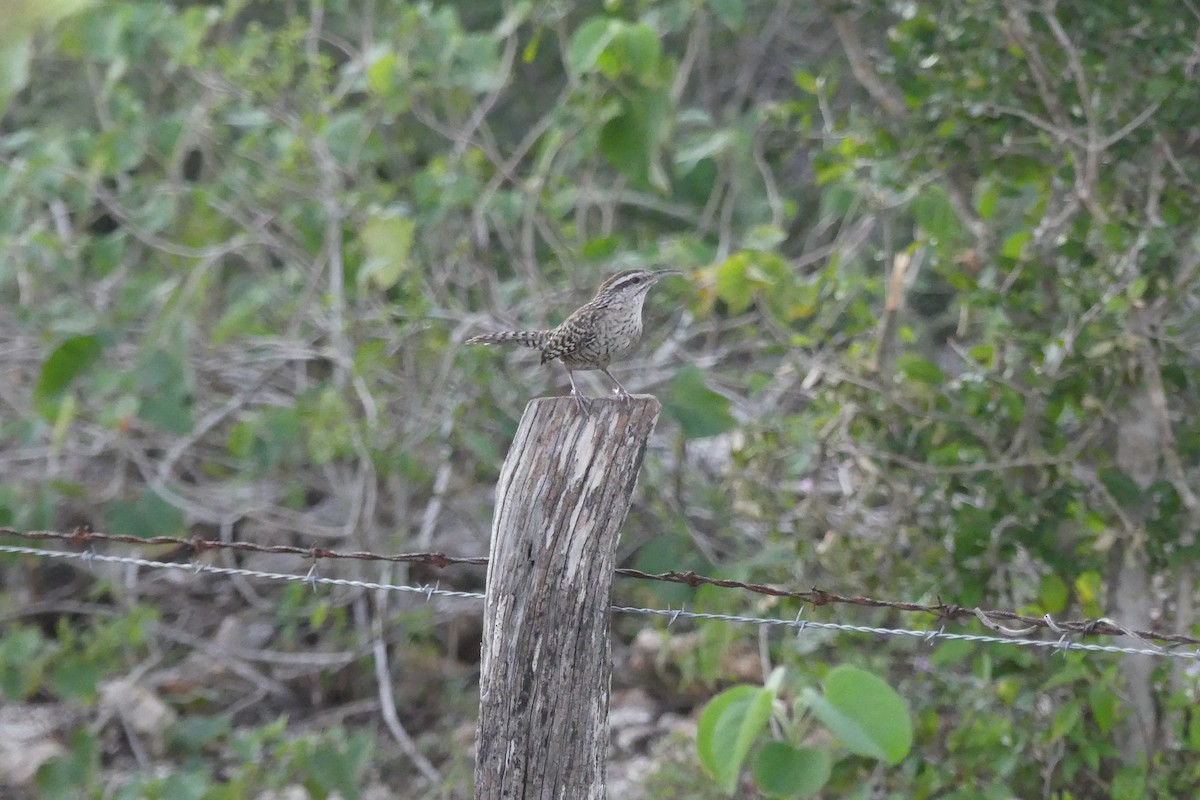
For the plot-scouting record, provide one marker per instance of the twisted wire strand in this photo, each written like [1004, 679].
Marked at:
[1062, 644]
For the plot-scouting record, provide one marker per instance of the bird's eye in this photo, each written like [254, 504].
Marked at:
[636, 279]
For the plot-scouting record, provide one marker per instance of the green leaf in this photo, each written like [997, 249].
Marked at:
[985, 354]
[935, 215]
[734, 286]
[1066, 719]
[782, 770]
[167, 411]
[951, 653]
[75, 677]
[764, 237]
[166, 399]
[20, 662]
[699, 410]
[1088, 591]
[600, 248]
[387, 242]
[1130, 783]
[1124, 489]
[63, 420]
[245, 315]
[63, 776]
[1104, 704]
[731, 13]
[1053, 594]
[919, 369]
[513, 19]
[148, 515]
[96, 35]
[807, 82]
[1193, 733]
[1014, 245]
[588, 42]
[531, 49]
[193, 784]
[697, 147]
[164, 137]
[632, 140]
[864, 713]
[383, 66]
[728, 726]
[642, 50]
[241, 439]
[344, 132]
[988, 198]
[70, 359]
[15, 58]
[333, 770]
[335, 765]
[195, 732]
[24, 18]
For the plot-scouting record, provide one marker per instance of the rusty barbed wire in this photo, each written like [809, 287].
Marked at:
[671, 615]
[989, 618]
[86, 536]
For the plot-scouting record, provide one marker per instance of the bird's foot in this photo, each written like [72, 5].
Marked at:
[622, 395]
[581, 403]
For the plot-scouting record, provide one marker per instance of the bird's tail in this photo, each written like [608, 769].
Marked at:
[534, 339]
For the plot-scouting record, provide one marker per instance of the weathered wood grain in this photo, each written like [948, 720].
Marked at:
[563, 493]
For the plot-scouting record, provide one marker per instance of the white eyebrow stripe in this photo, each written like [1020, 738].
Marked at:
[623, 280]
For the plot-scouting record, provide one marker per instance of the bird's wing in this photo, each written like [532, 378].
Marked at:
[559, 343]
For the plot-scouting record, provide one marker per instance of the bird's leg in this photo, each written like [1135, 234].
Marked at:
[580, 400]
[622, 392]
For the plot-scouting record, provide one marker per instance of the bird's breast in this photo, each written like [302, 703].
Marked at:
[612, 335]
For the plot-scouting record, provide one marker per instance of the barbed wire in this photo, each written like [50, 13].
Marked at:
[944, 611]
[1062, 644]
[196, 568]
[86, 536]
[991, 618]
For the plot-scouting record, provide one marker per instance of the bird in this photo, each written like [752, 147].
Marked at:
[594, 335]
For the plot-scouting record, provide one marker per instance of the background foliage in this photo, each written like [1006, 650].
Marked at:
[939, 340]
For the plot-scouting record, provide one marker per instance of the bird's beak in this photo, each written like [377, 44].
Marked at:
[666, 273]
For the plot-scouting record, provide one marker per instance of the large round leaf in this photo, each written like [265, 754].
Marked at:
[781, 770]
[865, 714]
[728, 726]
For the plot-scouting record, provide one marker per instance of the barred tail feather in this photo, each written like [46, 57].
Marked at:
[534, 339]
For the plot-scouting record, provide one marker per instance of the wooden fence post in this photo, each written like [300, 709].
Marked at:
[543, 693]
